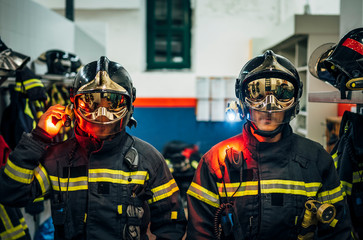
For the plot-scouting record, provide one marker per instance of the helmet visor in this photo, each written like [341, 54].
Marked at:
[269, 94]
[102, 106]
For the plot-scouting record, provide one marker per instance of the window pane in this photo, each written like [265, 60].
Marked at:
[160, 47]
[177, 48]
[161, 12]
[177, 13]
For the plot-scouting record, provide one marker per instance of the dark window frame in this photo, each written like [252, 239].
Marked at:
[169, 30]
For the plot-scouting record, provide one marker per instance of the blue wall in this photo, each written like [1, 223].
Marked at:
[158, 126]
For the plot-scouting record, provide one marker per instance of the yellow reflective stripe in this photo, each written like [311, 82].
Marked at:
[347, 187]
[331, 196]
[246, 188]
[119, 209]
[164, 191]
[74, 184]
[203, 194]
[38, 199]
[99, 175]
[31, 83]
[11, 232]
[28, 112]
[42, 177]
[335, 159]
[85, 218]
[358, 176]
[23, 224]
[174, 215]
[117, 176]
[18, 87]
[334, 222]
[17, 173]
[5, 218]
[290, 187]
[14, 233]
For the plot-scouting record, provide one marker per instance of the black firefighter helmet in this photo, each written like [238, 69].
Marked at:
[340, 65]
[103, 96]
[10, 61]
[60, 62]
[269, 83]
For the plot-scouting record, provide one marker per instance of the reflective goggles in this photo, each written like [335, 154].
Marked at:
[269, 94]
[113, 106]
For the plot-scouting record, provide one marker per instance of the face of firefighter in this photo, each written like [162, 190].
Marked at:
[101, 114]
[267, 121]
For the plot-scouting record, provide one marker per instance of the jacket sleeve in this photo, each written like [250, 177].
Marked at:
[203, 201]
[167, 214]
[331, 192]
[23, 178]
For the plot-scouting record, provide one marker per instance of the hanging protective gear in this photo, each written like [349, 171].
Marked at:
[348, 157]
[340, 64]
[10, 61]
[182, 159]
[103, 94]
[60, 62]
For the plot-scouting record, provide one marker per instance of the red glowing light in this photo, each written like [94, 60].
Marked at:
[236, 143]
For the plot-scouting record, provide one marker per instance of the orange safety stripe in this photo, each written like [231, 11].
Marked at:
[165, 102]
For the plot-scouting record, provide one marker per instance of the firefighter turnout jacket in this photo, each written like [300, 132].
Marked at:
[261, 189]
[348, 159]
[97, 189]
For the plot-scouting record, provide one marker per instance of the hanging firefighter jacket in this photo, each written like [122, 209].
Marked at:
[108, 189]
[182, 159]
[4, 151]
[258, 190]
[348, 159]
[59, 94]
[26, 106]
[12, 224]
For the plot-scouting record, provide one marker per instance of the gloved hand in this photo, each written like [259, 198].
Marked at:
[51, 120]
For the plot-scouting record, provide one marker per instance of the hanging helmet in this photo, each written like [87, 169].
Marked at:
[182, 158]
[102, 95]
[60, 63]
[269, 83]
[340, 65]
[10, 61]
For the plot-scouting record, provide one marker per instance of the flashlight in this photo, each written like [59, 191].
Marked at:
[232, 111]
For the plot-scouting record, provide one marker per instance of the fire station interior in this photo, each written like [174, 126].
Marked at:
[184, 73]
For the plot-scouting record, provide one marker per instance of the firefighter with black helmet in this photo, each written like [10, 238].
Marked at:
[103, 183]
[267, 182]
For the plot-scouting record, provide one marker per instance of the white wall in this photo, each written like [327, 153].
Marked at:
[221, 36]
[32, 29]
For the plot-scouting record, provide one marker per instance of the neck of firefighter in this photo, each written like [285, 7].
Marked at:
[260, 138]
[266, 123]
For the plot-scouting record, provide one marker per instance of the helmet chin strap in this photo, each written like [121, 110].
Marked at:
[269, 134]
